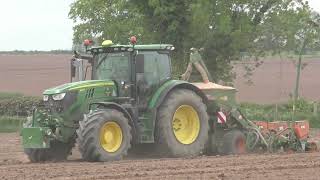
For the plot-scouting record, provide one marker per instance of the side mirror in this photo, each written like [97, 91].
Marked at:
[73, 69]
[140, 63]
[76, 54]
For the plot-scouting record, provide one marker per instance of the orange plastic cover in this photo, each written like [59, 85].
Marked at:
[301, 128]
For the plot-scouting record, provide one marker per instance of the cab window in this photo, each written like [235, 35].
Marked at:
[113, 66]
[156, 67]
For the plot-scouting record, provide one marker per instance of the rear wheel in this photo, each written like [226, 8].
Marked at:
[234, 142]
[182, 124]
[58, 151]
[104, 135]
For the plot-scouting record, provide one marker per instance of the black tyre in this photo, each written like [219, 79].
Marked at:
[182, 124]
[104, 135]
[58, 151]
[234, 142]
[212, 145]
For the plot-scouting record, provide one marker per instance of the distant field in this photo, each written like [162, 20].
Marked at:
[31, 74]
[273, 81]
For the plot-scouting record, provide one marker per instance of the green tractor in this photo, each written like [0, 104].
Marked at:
[132, 99]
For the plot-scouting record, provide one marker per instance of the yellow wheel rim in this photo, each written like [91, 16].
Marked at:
[110, 137]
[186, 124]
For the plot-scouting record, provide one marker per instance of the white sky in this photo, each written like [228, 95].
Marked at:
[42, 24]
[315, 5]
[35, 25]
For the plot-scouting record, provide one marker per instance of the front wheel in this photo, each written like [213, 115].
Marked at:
[104, 135]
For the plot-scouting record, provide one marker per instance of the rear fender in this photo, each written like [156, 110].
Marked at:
[169, 86]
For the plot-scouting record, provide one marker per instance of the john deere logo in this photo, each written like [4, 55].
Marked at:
[108, 91]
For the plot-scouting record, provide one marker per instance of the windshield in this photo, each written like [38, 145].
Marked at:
[113, 66]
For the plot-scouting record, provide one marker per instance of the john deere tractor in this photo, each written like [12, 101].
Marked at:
[132, 99]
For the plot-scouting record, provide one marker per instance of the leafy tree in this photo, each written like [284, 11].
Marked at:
[226, 29]
[104, 19]
[295, 31]
[230, 29]
[168, 20]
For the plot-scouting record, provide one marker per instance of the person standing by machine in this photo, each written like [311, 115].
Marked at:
[197, 62]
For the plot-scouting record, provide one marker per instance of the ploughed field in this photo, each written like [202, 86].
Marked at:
[15, 165]
[31, 74]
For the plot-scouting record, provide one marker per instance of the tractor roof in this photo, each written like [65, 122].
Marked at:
[117, 47]
[148, 46]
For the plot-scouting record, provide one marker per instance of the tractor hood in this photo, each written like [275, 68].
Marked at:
[77, 86]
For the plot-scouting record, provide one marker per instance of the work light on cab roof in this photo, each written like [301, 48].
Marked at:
[107, 43]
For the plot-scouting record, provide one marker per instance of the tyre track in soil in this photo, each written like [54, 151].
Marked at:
[15, 165]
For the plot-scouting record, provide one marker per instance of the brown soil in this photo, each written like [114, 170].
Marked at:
[31, 74]
[15, 165]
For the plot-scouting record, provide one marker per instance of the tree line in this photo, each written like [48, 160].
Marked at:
[227, 30]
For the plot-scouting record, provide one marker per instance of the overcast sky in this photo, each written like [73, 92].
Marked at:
[35, 25]
[42, 24]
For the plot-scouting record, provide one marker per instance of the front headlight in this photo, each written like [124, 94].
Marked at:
[58, 97]
[45, 97]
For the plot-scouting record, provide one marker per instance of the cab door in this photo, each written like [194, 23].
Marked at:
[152, 70]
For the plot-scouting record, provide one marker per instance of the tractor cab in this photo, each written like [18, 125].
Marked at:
[137, 70]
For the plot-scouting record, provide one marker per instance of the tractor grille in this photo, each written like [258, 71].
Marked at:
[62, 105]
[89, 93]
[54, 106]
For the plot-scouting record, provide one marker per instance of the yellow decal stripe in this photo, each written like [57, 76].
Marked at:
[92, 85]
